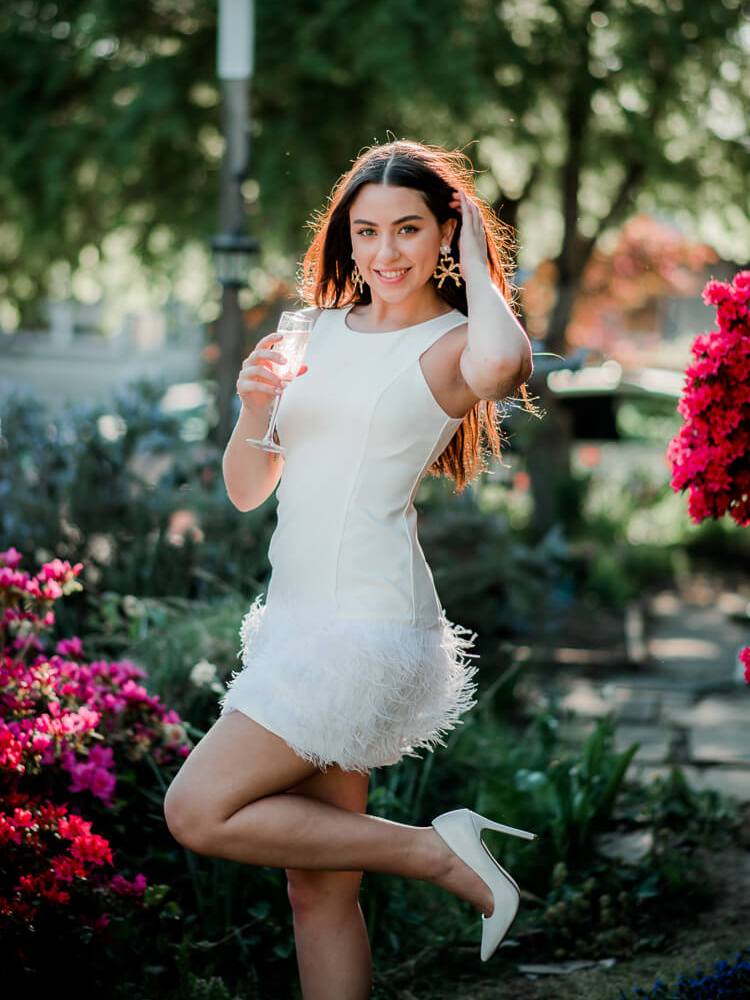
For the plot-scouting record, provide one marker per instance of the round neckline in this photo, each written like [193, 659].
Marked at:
[384, 333]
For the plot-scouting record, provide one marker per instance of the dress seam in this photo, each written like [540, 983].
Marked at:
[446, 420]
[355, 482]
[412, 539]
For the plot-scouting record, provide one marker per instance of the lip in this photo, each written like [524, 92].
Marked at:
[392, 281]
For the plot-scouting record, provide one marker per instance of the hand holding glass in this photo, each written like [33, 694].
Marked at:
[295, 328]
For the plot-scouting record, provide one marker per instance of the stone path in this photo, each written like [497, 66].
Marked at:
[685, 702]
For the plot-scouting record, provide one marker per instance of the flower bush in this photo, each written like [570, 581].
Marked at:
[710, 456]
[66, 728]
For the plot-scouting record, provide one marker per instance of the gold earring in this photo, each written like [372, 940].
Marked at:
[357, 280]
[447, 268]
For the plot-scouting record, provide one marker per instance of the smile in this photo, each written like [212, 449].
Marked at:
[391, 277]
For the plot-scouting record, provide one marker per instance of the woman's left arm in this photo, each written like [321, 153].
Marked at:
[498, 356]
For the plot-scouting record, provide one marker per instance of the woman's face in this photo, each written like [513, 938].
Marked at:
[393, 230]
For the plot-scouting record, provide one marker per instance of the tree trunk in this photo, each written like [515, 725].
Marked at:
[548, 464]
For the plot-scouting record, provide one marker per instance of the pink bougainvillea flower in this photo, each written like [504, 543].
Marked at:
[745, 661]
[84, 721]
[710, 455]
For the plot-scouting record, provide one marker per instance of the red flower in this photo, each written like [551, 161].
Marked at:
[745, 661]
[710, 456]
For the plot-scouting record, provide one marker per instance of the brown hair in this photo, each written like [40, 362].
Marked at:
[325, 280]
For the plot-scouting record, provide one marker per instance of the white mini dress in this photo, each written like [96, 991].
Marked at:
[349, 656]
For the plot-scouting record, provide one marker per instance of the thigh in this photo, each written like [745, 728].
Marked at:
[236, 762]
[347, 790]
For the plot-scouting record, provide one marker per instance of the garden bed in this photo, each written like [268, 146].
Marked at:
[709, 935]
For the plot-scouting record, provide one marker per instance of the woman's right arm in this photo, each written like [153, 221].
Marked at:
[251, 474]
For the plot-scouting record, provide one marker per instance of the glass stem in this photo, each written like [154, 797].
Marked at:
[272, 421]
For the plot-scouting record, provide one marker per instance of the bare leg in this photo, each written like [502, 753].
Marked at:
[330, 933]
[229, 801]
[333, 952]
[303, 833]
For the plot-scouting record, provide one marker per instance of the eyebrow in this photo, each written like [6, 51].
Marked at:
[404, 218]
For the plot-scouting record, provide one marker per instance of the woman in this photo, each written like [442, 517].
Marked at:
[351, 663]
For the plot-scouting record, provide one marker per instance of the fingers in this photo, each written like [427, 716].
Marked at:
[257, 373]
[245, 386]
[471, 217]
[464, 204]
[259, 378]
[275, 356]
[270, 338]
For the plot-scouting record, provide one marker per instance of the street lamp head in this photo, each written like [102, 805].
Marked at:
[232, 253]
[235, 39]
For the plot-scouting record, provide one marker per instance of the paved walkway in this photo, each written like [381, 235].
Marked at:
[685, 702]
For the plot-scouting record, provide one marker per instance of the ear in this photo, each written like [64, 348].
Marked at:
[446, 231]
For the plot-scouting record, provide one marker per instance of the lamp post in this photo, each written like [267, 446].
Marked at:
[232, 248]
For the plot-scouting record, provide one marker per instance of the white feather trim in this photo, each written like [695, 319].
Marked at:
[359, 693]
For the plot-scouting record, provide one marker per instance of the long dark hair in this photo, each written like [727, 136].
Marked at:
[325, 278]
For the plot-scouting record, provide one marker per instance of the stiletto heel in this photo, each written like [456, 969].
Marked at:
[461, 829]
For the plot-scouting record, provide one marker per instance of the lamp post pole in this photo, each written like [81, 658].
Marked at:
[232, 247]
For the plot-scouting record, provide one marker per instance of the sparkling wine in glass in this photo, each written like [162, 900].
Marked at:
[296, 327]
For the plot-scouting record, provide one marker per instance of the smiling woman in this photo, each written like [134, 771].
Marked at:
[351, 662]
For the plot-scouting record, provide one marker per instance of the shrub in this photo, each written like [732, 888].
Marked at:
[68, 730]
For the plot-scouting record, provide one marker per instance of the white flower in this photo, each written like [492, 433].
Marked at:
[203, 673]
[132, 606]
[174, 733]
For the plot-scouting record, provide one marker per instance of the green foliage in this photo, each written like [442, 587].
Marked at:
[687, 816]
[599, 911]
[111, 117]
[612, 907]
[572, 795]
[161, 526]
[208, 989]
[103, 129]
[623, 904]
[487, 575]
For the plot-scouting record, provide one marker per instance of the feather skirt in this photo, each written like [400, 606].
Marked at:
[359, 693]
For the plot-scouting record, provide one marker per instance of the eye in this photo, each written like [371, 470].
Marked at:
[368, 229]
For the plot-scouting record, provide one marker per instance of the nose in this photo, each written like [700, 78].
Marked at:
[387, 252]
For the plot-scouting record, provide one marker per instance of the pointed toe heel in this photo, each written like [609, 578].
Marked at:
[461, 829]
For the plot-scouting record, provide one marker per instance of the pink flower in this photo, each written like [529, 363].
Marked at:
[710, 456]
[745, 661]
[70, 647]
[123, 887]
[11, 557]
[86, 719]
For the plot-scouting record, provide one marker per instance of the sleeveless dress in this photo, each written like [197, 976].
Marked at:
[350, 658]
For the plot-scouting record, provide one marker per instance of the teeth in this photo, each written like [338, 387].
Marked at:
[393, 274]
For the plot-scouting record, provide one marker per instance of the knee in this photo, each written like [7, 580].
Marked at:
[310, 891]
[185, 821]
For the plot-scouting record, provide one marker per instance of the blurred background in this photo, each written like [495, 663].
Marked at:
[159, 165]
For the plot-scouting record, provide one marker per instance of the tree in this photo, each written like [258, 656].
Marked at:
[581, 112]
[622, 287]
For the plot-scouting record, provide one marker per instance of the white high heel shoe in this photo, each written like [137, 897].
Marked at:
[461, 829]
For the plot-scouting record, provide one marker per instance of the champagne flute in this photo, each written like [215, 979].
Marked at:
[295, 327]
